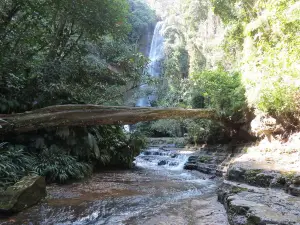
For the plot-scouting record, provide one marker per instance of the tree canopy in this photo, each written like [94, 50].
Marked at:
[68, 52]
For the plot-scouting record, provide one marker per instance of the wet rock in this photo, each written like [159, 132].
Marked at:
[262, 178]
[147, 153]
[294, 190]
[206, 168]
[174, 156]
[192, 159]
[208, 159]
[173, 164]
[146, 158]
[190, 166]
[205, 159]
[236, 174]
[162, 163]
[25, 193]
[258, 206]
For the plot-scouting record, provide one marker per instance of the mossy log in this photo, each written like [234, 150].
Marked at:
[86, 115]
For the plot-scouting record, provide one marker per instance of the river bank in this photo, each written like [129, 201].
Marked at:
[261, 180]
[148, 194]
[218, 184]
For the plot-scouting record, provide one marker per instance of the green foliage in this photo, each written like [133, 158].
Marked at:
[222, 91]
[225, 9]
[161, 128]
[198, 101]
[69, 52]
[137, 142]
[57, 166]
[73, 51]
[102, 146]
[14, 164]
[141, 18]
[171, 128]
[204, 131]
[262, 36]
[76, 152]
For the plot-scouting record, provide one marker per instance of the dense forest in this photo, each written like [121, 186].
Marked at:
[69, 52]
[240, 58]
[97, 85]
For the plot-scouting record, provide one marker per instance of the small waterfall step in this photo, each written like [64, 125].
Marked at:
[157, 158]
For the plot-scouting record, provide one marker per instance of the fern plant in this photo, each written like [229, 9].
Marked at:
[57, 166]
[14, 164]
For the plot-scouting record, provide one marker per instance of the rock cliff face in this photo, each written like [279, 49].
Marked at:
[145, 41]
[25, 193]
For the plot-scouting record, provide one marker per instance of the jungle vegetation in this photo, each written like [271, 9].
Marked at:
[69, 52]
[239, 57]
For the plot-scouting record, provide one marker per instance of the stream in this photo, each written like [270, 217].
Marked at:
[156, 191]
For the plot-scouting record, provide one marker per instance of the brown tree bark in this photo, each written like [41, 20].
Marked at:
[86, 115]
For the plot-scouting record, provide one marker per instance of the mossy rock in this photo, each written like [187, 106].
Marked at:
[24, 194]
[205, 159]
[236, 174]
[236, 190]
[261, 178]
[251, 176]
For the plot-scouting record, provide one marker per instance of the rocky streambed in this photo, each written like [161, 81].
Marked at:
[157, 191]
[259, 188]
[211, 185]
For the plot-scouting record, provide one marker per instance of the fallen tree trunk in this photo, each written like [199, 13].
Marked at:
[86, 115]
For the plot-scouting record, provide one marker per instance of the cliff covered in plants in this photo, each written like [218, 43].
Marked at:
[238, 57]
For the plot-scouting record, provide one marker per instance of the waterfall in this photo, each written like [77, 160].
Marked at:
[156, 51]
[154, 69]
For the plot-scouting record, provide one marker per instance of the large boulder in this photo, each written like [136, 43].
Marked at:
[25, 193]
[246, 205]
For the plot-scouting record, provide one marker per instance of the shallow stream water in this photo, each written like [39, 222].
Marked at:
[157, 191]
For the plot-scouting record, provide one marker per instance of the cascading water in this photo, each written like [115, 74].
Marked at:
[156, 55]
[162, 159]
[156, 51]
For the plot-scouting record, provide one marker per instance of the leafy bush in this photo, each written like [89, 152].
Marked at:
[222, 91]
[264, 36]
[14, 164]
[100, 146]
[205, 131]
[125, 148]
[140, 18]
[161, 128]
[57, 166]
[169, 127]
[75, 153]
[137, 141]
[198, 101]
